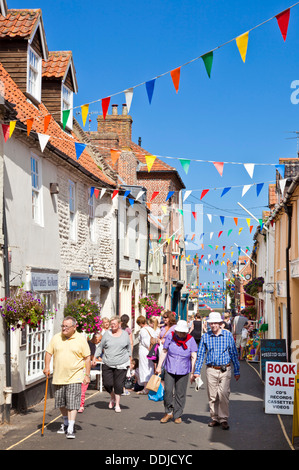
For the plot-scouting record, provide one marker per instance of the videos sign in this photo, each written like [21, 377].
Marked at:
[279, 387]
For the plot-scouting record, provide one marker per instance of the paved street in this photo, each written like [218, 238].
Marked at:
[137, 427]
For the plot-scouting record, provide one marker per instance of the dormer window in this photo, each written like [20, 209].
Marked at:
[67, 103]
[34, 76]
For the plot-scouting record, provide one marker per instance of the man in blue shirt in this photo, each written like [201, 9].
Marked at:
[219, 347]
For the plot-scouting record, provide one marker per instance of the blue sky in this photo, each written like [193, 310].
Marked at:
[243, 113]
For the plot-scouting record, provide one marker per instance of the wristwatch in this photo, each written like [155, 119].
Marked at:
[87, 375]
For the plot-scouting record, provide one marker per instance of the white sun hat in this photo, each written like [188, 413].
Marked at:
[182, 326]
[214, 317]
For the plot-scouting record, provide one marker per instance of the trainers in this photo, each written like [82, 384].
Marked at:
[70, 435]
[126, 393]
[62, 429]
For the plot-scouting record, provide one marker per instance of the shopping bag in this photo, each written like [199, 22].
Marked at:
[153, 383]
[156, 396]
[198, 383]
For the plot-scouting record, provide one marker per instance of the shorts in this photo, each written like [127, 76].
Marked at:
[68, 396]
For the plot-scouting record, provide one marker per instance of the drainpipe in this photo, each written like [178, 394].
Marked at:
[117, 262]
[8, 388]
[288, 210]
[147, 255]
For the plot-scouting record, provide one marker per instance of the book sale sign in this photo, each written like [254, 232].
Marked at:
[279, 387]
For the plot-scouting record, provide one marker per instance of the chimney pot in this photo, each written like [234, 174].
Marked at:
[114, 109]
[125, 110]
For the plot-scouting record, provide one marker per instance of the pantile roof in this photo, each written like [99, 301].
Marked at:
[19, 23]
[57, 64]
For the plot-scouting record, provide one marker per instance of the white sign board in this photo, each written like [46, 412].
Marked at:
[279, 387]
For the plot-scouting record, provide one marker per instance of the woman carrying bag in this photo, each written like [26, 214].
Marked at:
[179, 353]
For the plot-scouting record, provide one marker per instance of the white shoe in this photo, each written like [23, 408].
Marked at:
[62, 429]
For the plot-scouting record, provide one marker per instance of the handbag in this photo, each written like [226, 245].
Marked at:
[154, 383]
[156, 396]
[153, 340]
[153, 354]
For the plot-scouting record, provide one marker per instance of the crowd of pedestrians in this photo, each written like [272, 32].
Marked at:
[181, 349]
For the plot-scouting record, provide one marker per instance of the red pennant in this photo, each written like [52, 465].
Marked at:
[29, 125]
[283, 22]
[47, 120]
[204, 192]
[5, 130]
[155, 193]
[175, 75]
[96, 193]
[194, 215]
[115, 192]
[220, 233]
[105, 106]
[219, 167]
[250, 228]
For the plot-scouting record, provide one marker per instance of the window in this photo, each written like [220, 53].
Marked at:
[91, 219]
[137, 237]
[72, 208]
[36, 190]
[34, 74]
[67, 103]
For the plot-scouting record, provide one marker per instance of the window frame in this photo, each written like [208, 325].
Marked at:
[36, 89]
[67, 104]
[36, 189]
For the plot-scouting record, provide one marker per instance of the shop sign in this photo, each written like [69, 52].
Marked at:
[44, 282]
[279, 387]
[79, 283]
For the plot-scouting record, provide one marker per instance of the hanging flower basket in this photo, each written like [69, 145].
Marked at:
[23, 309]
[151, 306]
[254, 286]
[87, 315]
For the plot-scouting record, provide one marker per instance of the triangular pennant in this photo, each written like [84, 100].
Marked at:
[222, 219]
[250, 228]
[43, 140]
[129, 96]
[29, 125]
[229, 232]
[150, 85]
[150, 159]
[225, 191]
[240, 230]
[242, 42]
[164, 209]
[259, 187]
[105, 106]
[131, 201]
[204, 192]
[245, 188]
[283, 22]
[169, 195]
[65, 117]
[12, 126]
[211, 235]
[79, 149]
[249, 167]
[96, 193]
[115, 154]
[84, 113]
[220, 233]
[181, 211]
[102, 192]
[208, 61]
[175, 75]
[219, 167]
[91, 191]
[194, 215]
[209, 217]
[47, 120]
[186, 195]
[115, 192]
[155, 194]
[126, 194]
[185, 164]
[282, 184]
[139, 195]
[236, 220]
[248, 222]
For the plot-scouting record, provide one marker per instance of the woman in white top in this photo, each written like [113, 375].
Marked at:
[146, 367]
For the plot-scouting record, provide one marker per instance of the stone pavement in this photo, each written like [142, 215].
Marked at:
[138, 426]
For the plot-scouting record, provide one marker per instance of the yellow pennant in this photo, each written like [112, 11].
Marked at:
[84, 111]
[188, 258]
[164, 209]
[150, 161]
[240, 230]
[248, 222]
[12, 126]
[242, 42]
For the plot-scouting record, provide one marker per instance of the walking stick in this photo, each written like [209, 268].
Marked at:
[46, 392]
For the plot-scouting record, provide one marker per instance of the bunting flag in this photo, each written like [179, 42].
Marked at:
[281, 169]
[115, 154]
[29, 125]
[283, 22]
[171, 193]
[204, 192]
[126, 194]
[150, 85]
[164, 209]
[219, 167]
[208, 61]
[225, 191]
[240, 230]
[150, 159]
[209, 217]
[65, 117]
[245, 189]
[47, 120]
[242, 42]
[249, 167]
[175, 75]
[139, 195]
[131, 201]
[186, 195]
[250, 228]
[102, 193]
[129, 96]
[79, 149]
[12, 126]
[155, 194]
[282, 184]
[92, 191]
[259, 187]
[43, 140]
[115, 192]
[185, 164]
[236, 220]
[194, 215]
[96, 193]
[220, 233]
[222, 219]
[248, 222]
[84, 113]
[105, 106]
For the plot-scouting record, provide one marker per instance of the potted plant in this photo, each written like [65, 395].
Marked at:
[254, 286]
[23, 309]
[151, 306]
[86, 313]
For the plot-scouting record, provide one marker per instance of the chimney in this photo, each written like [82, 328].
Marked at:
[121, 124]
[125, 110]
[114, 110]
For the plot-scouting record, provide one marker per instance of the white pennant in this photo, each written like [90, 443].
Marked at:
[249, 168]
[139, 195]
[282, 184]
[102, 193]
[245, 188]
[211, 234]
[43, 140]
[209, 217]
[129, 96]
[187, 194]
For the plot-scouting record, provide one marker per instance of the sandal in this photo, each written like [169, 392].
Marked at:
[81, 409]
[142, 392]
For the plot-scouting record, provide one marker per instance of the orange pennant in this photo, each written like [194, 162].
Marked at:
[47, 120]
[236, 220]
[115, 154]
[175, 75]
[29, 125]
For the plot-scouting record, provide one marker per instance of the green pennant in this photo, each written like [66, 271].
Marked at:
[229, 232]
[208, 61]
[65, 116]
[185, 164]
[180, 211]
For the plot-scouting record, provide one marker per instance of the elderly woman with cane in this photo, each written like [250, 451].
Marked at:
[179, 353]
